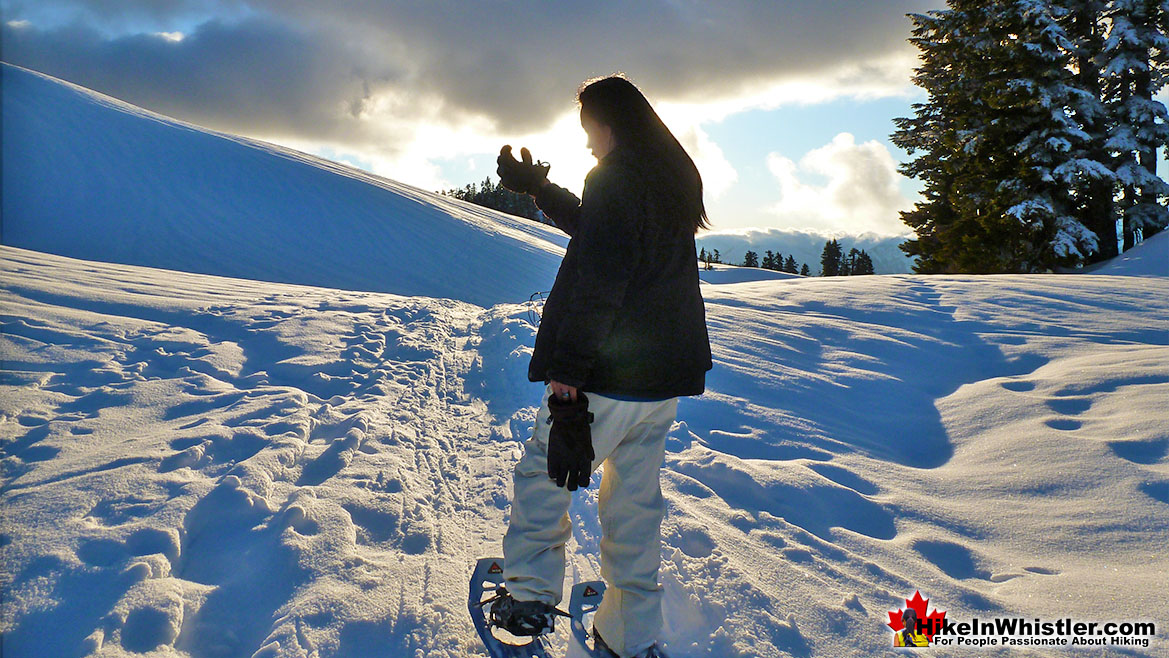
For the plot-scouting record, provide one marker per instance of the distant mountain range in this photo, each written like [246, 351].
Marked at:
[806, 247]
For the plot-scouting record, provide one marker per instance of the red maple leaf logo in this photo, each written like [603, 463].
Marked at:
[931, 623]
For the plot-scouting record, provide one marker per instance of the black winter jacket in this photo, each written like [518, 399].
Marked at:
[625, 316]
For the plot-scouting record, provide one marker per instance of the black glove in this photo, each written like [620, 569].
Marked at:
[570, 443]
[521, 177]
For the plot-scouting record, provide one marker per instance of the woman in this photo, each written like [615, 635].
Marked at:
[623, 335]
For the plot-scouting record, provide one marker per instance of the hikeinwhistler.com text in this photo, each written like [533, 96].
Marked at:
[1019, 632]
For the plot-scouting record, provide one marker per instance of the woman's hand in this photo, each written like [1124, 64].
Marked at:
[563, 391]
[524, 177]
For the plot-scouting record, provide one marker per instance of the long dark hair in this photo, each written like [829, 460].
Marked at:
[616, 102]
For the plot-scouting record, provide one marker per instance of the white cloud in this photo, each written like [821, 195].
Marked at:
[407, 139]
[879, 77]
[379, 83]
[322, 71]
[718, 175]
[859, 189]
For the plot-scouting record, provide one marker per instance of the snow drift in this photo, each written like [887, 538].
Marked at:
[1150, 258]
[194, 465]
[90, 177]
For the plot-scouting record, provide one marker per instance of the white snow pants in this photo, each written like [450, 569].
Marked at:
[630, 438]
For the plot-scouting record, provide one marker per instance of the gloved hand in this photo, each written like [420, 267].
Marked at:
[521, 177]
[570, 442]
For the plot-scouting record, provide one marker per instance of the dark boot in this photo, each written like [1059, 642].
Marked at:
[521, 618]
[600, 643]
[651, 652]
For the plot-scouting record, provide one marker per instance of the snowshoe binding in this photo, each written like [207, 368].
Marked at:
[521, 618]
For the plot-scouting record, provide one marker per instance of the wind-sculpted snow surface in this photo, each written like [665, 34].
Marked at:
[88, 176]
[201, 466]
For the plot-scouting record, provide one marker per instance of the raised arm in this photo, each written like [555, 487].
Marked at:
[560, 205]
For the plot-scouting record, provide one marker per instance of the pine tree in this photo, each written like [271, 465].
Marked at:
[830, 258]
[996, 139]
[750, 259]
[1084, 26]
[1134, 69]
[932, 138]
[1032, 133]
[702, 255]
[848, 262]
[716, 257]
[863, 264]
[497, 197]
[706, 257]
[804, 271]
[1049, 137]
[790, 266]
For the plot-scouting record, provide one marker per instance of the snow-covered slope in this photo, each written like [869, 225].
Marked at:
[719, 274]
[91, 177]
[199, 466]
[1150, 258]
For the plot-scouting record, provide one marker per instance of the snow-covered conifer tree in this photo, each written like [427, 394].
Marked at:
[1001, 143]
[931, 137]
[1085, 27]
[1134, 70]
[1035, 100]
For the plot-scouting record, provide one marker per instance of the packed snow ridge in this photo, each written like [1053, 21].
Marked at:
[204, 465]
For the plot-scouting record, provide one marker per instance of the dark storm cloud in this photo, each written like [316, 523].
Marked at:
[254, 76]
[307, 68]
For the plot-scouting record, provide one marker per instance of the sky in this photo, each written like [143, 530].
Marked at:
[786, 107]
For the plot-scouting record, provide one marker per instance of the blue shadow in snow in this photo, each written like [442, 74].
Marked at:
[864, 380]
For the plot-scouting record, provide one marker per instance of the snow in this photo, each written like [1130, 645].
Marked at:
[719, 274]
[1150, 258]
[200, 465]
[103, 180]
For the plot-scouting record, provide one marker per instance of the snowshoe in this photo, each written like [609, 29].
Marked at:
[486, 594]
[583, 604]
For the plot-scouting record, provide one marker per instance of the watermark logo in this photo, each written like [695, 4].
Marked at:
[917, 626]
[912, 625]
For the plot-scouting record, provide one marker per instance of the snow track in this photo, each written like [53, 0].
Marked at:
[207, 467]
[235, 477]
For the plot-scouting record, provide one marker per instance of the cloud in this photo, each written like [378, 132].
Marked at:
[253, 76]
[517, 64]
[860, 189]
[399, 83]
[718, 174]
